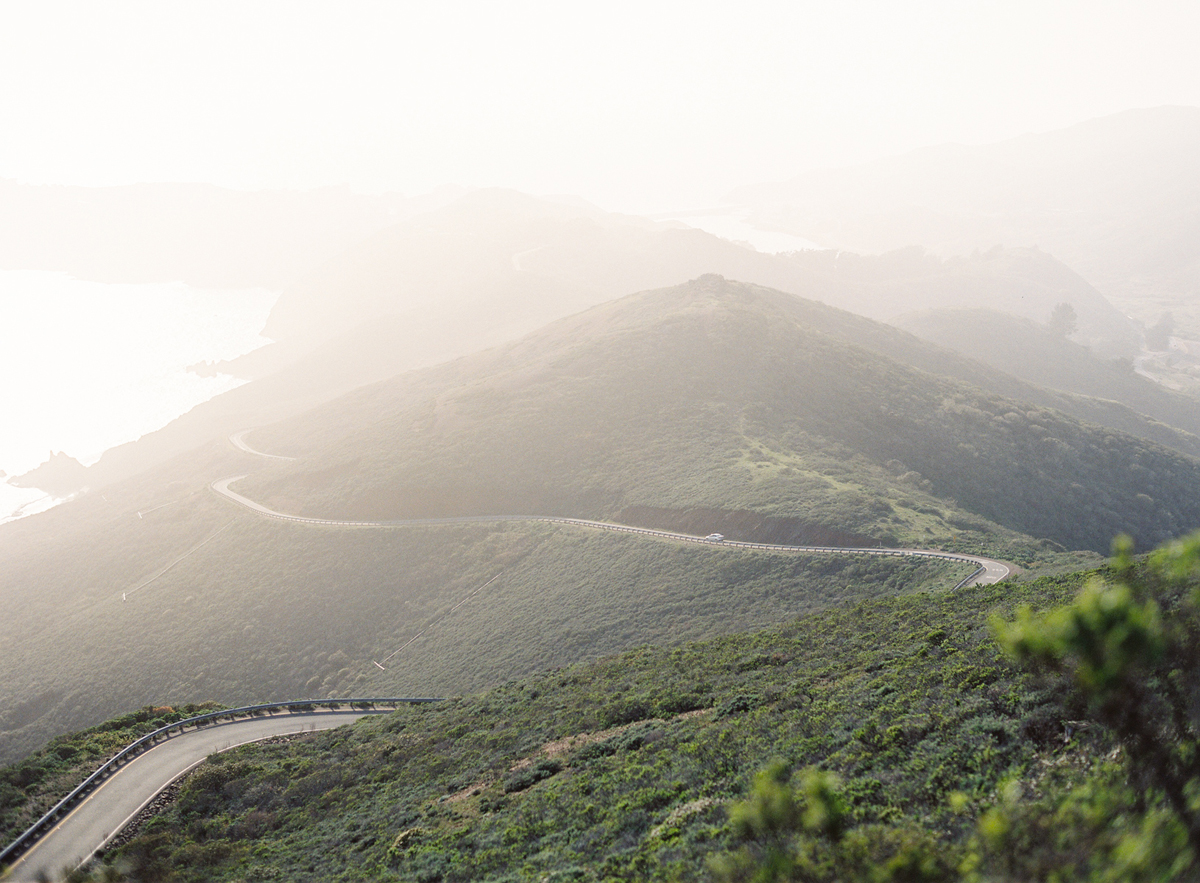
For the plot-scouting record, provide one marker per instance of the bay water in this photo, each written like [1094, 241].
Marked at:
[86, 366]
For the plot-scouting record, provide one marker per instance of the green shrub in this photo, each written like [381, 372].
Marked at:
[521, 779]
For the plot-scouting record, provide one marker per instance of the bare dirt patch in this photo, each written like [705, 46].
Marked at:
[564, 746]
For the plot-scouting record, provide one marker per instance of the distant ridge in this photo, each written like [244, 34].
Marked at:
[497, 264]
[719, 394]
[1116, 198]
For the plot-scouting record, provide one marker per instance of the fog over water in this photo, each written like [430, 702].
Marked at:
[729, 224]
[703, 405]
[676, 111]
[88, 365]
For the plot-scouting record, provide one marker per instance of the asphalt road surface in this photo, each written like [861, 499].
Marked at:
[123, 795]
[988, 570]
[239, 441]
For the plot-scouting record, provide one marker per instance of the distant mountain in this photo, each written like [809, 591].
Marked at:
[491, 266]
[59, 475]
[1115, 198]
[1020, 282]
[1034, 353]
[721, 394]
[498, 264]
[714, 405]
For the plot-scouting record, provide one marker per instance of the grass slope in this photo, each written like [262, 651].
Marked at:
[1034, 353]
[716, 403]
[497, 264]
[29, 788]
[724, 395]
[624, 768]
[226, 605]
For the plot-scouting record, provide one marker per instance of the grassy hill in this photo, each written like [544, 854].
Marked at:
[1032, 352]
[495, 265]
[728, 396]
[715, 404]
[224, 605]
[488, 268]
[627, 768]
[712, 406]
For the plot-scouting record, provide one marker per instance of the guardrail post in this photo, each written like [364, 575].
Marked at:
[139, 746]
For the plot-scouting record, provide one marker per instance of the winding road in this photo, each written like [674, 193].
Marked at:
[98, 818]
[988, 570]
[238, 440]
[116, 802]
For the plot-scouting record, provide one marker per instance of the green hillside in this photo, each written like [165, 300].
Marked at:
[225, 605]
[913, 749]
[1034, 353]
[496, 264]
[728, 396]
[628, 768]
[713, 406]
[488, 268]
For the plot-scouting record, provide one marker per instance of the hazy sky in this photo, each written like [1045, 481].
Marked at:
[636, 106]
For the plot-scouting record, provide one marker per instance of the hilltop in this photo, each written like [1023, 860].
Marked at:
[495, 265]
[731, 396]
[714, 405]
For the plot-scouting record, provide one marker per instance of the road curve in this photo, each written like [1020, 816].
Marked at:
[238, 440]
[987, 571]
[88, 827]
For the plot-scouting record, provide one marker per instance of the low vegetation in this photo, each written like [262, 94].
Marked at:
[891, 740]
[882, 733]
[768, 413]
[31, 787]
[723, 395]
[266, 611]
[627, 768]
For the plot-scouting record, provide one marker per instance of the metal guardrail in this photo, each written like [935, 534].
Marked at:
[968, 578]
[222, 487]
[778, 547]
[145, 743]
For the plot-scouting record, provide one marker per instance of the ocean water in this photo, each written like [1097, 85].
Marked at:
[732, 226]
[86, 366]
